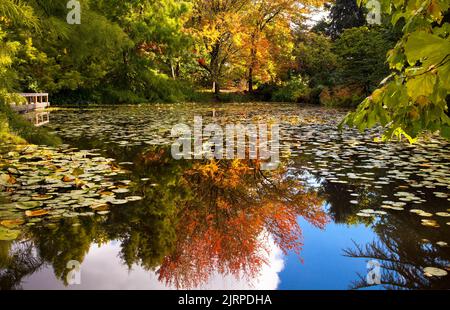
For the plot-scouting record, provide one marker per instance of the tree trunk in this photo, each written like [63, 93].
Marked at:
[216, 88]
[172, 69]
[215, 69]
[125, 57]
[177, 69]
[250, 80]
[253, 52]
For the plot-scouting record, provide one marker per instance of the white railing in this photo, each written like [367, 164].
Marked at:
[35, 101]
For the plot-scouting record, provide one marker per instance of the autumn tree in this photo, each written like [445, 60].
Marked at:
[226, 226]
[259, 42]
[216, 25]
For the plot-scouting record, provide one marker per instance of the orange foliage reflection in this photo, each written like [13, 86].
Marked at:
[226, 227]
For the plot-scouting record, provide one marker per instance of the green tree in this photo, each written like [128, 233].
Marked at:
[158, 46]
[345, 14]
[413, 99]
[361, 55]
[315, 58]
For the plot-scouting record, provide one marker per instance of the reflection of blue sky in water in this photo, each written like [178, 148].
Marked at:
[323, 267]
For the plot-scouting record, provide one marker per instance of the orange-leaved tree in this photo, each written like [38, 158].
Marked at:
[228, 226]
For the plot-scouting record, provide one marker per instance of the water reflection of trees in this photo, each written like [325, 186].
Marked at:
[226, 227]
[199, 218]
[16, 262]
[404, 246]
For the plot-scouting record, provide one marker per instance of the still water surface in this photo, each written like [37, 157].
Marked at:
[113, 199]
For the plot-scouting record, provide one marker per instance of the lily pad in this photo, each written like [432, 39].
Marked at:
[435, 272]
[12, 223]
[8, 234]
[430, 223]
[42, 197]
[443, 214]
[134, 198]
[36, 213]
[119, 201]
[121, 191]
[27, 205]
[364, 214]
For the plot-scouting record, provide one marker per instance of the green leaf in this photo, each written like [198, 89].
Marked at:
[444, 75]
[421, 85]
[426, 47]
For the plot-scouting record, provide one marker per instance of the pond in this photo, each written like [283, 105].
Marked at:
[112, 208]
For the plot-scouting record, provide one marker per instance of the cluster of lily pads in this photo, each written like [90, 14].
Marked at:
[345, 157]
[45, 183]
[413, 179]
[406, 173]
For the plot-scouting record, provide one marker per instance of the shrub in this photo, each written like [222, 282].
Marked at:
[265, 91]
[342, 96]
[295, 90]
[314, 96]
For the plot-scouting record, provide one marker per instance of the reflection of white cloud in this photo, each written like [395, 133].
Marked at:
[267, 280]
[103, 269]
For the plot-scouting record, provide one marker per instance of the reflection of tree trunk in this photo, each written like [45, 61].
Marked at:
[21, 263]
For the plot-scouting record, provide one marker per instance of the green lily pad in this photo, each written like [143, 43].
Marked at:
[42, 197]
[27, 205]
[4, 179]
[8, 234]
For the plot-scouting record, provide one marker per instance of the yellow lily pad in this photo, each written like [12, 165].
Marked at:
[36, 213]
